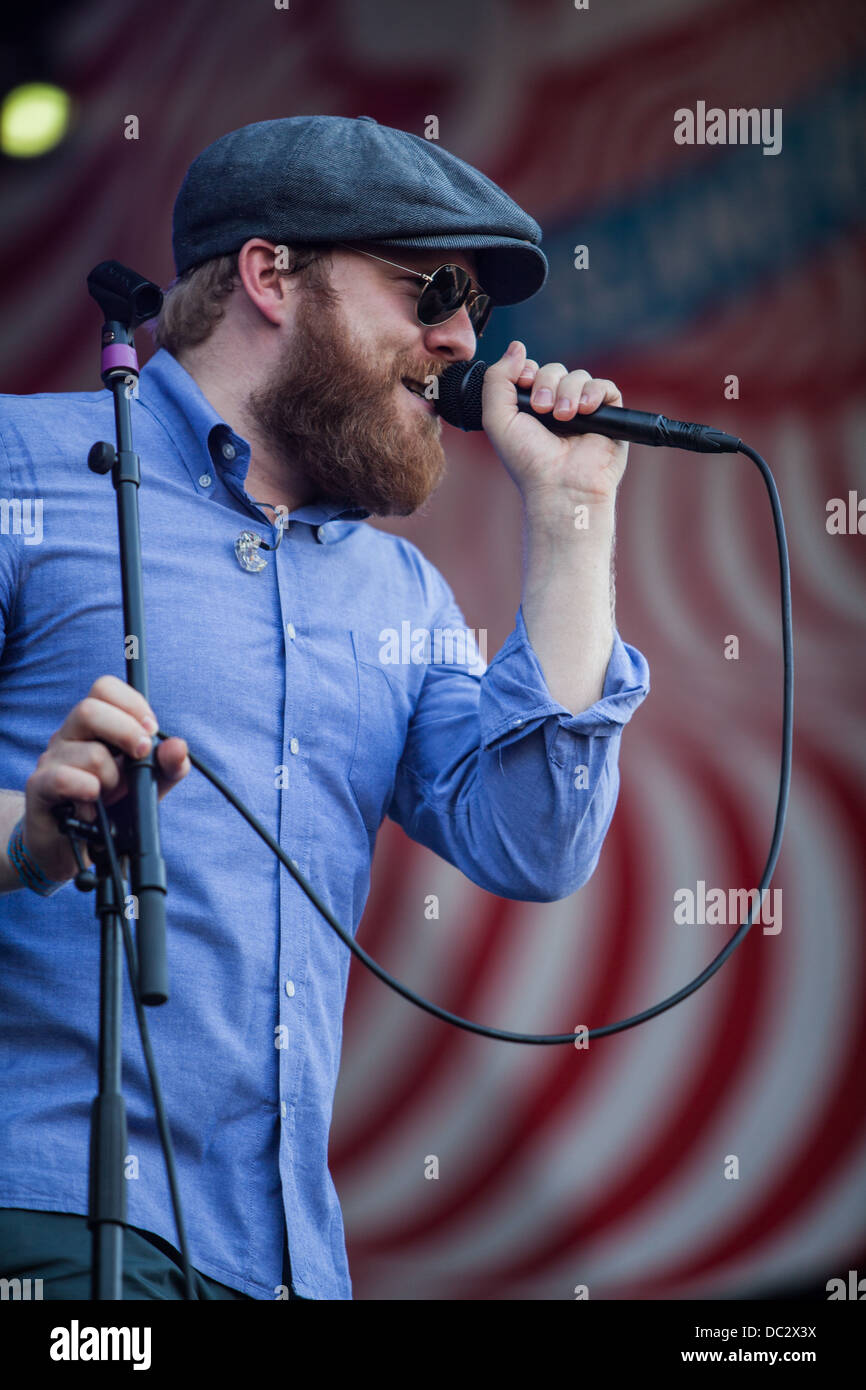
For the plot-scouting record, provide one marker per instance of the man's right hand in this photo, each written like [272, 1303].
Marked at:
[77, 766]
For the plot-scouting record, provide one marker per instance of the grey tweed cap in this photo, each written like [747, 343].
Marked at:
[333, 178]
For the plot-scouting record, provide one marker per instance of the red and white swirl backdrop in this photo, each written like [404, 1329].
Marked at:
[605, 1167]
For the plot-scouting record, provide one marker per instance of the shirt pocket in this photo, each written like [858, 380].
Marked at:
[385, 701]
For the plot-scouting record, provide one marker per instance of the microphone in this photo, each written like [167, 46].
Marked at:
[459, 404]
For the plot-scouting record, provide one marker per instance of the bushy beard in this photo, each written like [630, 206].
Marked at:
[331, 410]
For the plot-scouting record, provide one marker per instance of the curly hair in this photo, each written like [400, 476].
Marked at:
[195, 302]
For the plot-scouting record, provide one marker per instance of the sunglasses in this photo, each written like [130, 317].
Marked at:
[444, 294]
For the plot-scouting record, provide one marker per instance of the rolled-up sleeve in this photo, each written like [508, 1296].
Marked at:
[504, 782]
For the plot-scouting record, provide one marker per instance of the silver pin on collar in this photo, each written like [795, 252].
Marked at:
[249, 543]
[247, 550]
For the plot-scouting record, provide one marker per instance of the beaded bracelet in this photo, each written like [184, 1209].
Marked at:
[28, 871]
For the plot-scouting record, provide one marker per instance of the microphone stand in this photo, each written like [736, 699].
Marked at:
[127, 300]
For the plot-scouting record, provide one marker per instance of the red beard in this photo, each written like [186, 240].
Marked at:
[333, 414]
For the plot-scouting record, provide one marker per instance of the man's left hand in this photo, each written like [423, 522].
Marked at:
[546, 467]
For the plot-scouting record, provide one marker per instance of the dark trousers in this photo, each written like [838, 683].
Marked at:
[55, 1247]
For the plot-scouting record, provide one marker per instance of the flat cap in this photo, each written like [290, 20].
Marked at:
[333, 178]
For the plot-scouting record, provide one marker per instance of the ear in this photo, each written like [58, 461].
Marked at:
[269, 290]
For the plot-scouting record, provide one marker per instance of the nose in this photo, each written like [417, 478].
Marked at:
[454, 339]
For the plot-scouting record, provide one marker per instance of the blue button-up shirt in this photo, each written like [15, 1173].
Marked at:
[298, 685]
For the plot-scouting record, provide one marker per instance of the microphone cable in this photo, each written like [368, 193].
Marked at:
[503, 1035]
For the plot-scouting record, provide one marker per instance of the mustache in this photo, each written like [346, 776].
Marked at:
[416, 371]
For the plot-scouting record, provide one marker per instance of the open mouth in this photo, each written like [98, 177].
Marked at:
[416, 387]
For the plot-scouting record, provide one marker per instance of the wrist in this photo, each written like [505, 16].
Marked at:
[29, 873]
[565, 511]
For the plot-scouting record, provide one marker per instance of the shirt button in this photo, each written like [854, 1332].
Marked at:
[283, 1109]
[229, 451]
[322, 535]
[517, 723]
[205, 480]
[290, 630]
[290, 988]
[294, 746]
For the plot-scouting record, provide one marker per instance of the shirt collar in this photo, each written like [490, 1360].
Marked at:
[168, 391]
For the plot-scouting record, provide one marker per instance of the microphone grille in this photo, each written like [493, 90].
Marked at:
[459, 400]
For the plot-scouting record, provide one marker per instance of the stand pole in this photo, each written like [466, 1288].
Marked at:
[127, 300]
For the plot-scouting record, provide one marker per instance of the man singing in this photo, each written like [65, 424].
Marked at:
[328, 271]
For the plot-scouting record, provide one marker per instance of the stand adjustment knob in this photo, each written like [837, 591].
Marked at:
[101, 457]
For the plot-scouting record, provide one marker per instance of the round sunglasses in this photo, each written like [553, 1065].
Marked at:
[444, 294]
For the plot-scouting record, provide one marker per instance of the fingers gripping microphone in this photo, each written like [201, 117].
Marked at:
[459, 404]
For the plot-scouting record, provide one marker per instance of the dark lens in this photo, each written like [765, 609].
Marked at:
[444, 295]
[479, 313]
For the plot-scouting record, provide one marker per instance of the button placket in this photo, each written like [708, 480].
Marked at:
[301, 703]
